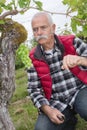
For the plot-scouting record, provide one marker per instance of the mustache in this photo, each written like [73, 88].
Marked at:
[41, 37]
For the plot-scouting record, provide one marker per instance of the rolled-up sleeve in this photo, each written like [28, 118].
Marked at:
[35, 90]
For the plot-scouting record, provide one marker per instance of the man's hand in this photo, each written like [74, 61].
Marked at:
[70, 61]
[54, 115]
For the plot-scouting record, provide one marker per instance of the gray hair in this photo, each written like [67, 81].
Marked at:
[50, 20]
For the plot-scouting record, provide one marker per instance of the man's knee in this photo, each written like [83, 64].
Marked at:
[81, 103]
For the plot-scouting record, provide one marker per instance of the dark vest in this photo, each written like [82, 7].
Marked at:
[43, 69]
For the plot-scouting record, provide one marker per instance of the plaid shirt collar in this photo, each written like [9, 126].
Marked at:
[50, 52]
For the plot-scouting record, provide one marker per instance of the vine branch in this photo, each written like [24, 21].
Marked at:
[15, 12]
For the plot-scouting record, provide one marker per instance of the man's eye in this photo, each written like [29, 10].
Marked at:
[44, 27]
[35, 29]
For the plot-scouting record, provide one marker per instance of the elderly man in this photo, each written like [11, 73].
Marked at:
[57, 81]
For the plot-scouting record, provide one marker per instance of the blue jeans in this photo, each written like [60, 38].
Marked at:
[80, 106]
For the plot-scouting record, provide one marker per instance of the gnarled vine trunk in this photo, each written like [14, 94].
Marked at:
[7, 81]
[12, 35]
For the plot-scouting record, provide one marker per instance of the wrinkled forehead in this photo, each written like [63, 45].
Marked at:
[39, 18]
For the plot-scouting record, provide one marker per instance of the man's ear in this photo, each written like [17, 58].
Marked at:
[53, 28]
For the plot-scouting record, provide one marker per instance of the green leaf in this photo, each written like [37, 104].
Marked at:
[24, 3]
[6, 7]
[73, 25]
[39, 4]
[65, 2]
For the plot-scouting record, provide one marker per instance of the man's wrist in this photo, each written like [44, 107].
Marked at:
[83, 61]
[46, 109]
